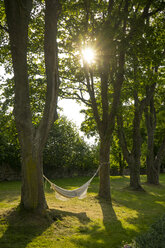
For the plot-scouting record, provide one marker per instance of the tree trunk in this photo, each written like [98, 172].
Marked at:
[152, 174]
[32, 192]
[153, 162]
[32, 140]
[158, 160]
[152, 171]
[134, 175]
[136, 152]
[133, 157]
[104, 187]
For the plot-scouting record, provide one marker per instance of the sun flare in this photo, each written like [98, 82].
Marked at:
[88, 55]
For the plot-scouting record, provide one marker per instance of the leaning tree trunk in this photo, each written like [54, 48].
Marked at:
[32, 140]
[104, 187]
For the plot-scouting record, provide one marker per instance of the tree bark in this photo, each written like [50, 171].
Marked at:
[136, 149]
[32, 193]
[32, 140]
[133, 157]
[135, 175]
[152, 171]
[160, 155]
[104, 186]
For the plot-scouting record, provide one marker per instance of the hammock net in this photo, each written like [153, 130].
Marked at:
[64, 194]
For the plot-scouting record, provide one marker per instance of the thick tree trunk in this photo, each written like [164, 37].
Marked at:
[134, 174]
[32, 140]
[136, 152]
[32, 192]
[152, 174]
[104, 187]
[152, 169]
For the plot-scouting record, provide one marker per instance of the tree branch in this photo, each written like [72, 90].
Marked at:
[110, 7]
[122, 138]
[52, 12]
[147, 99]
[116, 95]
[93, 99]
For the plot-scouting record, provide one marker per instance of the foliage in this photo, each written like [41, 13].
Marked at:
[155, 237]
[9, 145]
[9, 154]
[66, 152]
[117, 162]
[80, 23]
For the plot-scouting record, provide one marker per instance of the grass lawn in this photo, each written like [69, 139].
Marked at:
[90, 222]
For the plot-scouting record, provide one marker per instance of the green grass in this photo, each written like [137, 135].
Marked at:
[90, 222]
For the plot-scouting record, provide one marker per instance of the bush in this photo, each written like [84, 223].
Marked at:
[66, 153]
[154, 238]
[9, 152]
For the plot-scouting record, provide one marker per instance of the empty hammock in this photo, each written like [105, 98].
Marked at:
[64, 194]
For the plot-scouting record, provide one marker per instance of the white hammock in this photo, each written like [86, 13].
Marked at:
[64, 194]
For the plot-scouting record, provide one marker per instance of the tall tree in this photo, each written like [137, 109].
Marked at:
[155, 107]
[98, 80]
[32, 140]
[154, 158]
[133, 156]
[144, 54]
[109, 27]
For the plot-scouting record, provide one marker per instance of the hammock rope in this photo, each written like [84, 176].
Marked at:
[64, 194]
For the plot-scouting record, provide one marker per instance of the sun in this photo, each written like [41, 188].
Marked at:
[88, 55]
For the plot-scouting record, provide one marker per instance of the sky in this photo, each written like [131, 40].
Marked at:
[71, 109]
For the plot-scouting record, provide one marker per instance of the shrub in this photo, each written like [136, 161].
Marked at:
[66, 153]
[154, 238]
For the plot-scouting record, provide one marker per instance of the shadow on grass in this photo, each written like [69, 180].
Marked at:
[19, 229]
[144, 206]
[113, 227]
[9, 191]
[110, 234]
[9, 197]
